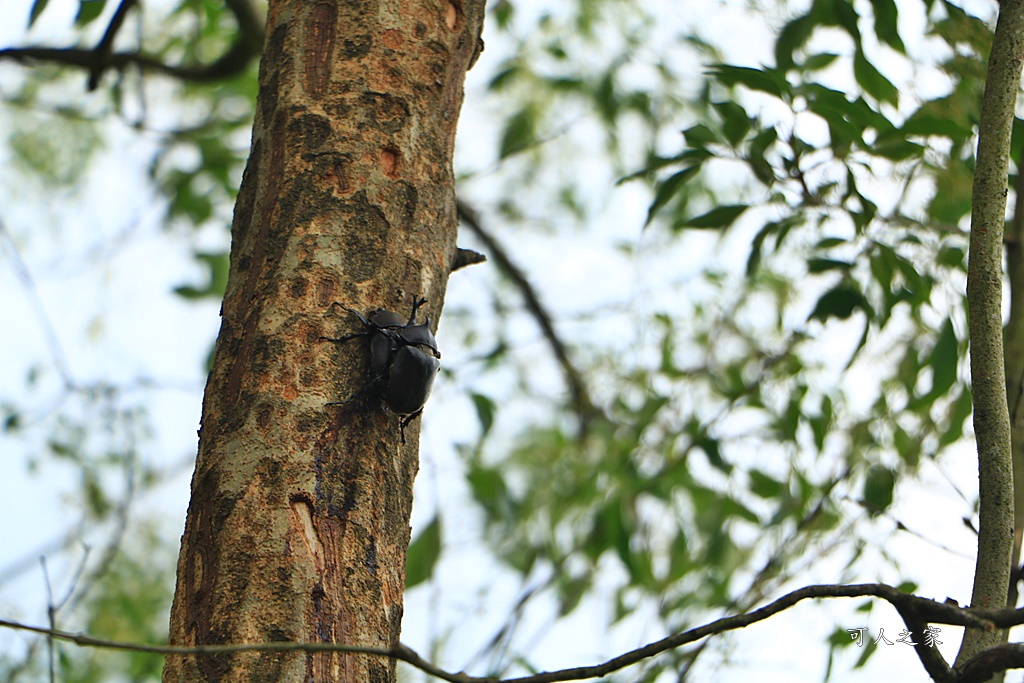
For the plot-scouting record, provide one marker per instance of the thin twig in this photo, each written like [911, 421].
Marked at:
[51, 618]
[46, 325]
[585, 409]
[914, 609]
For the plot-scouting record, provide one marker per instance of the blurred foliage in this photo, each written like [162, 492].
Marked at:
[732, 445]
[131, 604]
[737, 442]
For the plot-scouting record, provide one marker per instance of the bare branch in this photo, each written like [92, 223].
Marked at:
[466, 257]
[916, 611]
[39, 309]
[981, 666]
[771, 570]
[580, 396]
[931, 659]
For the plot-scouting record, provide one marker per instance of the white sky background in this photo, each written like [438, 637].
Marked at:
[117, 320]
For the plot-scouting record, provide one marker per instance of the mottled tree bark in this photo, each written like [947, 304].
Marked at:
[299, 519]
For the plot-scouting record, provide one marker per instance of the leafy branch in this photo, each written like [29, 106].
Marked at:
[915, 611]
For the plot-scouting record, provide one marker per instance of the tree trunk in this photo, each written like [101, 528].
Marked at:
[299, 519]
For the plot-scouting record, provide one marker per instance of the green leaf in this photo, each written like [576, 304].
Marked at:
[846, 120]
[711, 449]
[505, 77]
[943, 361]
[878, 489]
[761, 167]
[897, 150]
[489, 490]
[611, 530]
[95, 497]
[699, 136]
[667, 189]
[217, 265]
[423, 553]
[886, 24]
[840, 302]
[88, 10]
[757, 245]
[764, 485]
[819, 61]
[735, 121]
[951, 257]
[503, 11]
[822, 423]
[872, 80]
[908, 446]
[792, 37]
[655, 163]
[37, 8]
[842, 13]
[734, 508]
[958, 413]
[952, 198]
[883, 269]
[719, 217]
[646, 413]
[485, 410]
[834, 105]
[778, 228]
[520, 132]
[788, 422]
[870, 648]
[822, 265]
[925, 124]
[680, 561]
[570, 592]
[764, 79]
[185, 200]
[12, 422]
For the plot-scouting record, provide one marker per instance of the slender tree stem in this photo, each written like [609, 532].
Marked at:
[984, 304]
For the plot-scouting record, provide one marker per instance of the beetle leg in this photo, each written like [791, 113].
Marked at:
[416, 303]
[359, 315]
[404, 422]
[353, 397]
[342, 340]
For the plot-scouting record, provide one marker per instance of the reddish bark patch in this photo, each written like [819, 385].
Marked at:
[389, 162]
[320, 29]
[392, 39]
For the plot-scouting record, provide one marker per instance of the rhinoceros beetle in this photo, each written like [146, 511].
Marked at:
[403, 360]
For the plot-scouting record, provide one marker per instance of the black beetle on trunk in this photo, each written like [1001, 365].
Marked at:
[403, 360]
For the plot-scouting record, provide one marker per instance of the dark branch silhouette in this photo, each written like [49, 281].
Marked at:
[239, 56]
[987, 662]
[106, 45]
